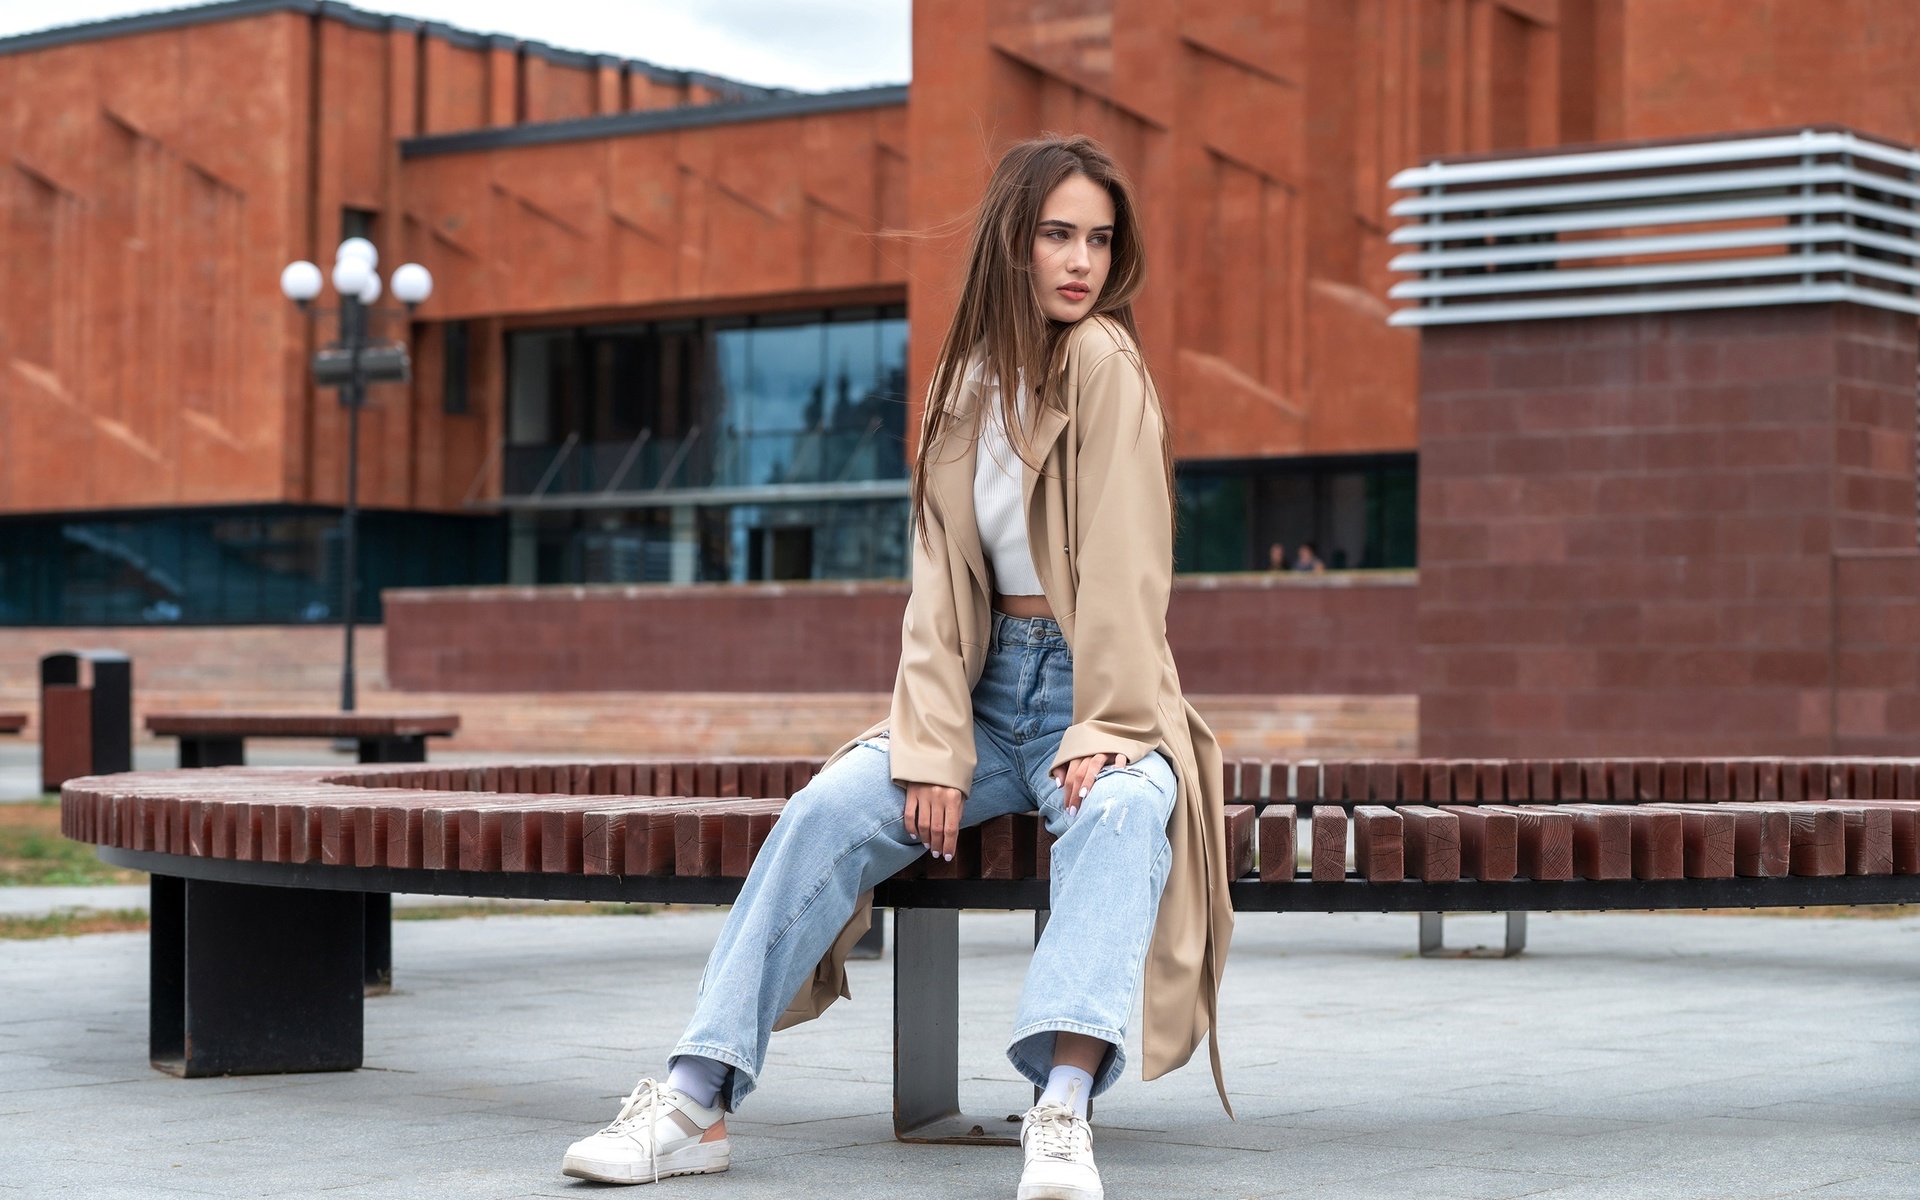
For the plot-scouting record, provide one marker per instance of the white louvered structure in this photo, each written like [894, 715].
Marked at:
[1796, 218]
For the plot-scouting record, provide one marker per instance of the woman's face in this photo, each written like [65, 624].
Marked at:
[1072, 248]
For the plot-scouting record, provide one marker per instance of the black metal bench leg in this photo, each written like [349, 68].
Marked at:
[1431, 939]
[393, 749]
[379, 944]
[379, 966]
[872, 943]
[926, 1032]
[251, 980]
[167, 972]
[213, 752]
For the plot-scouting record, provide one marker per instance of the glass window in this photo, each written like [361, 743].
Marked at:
[804, 397]
[757, 400]
[272, 565]
[1351, 512]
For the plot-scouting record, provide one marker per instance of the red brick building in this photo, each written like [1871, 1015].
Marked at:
[670, 335]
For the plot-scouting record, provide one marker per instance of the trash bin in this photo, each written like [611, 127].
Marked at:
[86, 715]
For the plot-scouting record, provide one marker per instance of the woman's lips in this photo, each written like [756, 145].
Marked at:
[1073, 291]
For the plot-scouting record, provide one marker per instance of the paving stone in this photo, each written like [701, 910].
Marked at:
[1582, 1070]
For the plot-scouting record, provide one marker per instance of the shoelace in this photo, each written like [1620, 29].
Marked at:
[1050, 1130]
[644, 1099]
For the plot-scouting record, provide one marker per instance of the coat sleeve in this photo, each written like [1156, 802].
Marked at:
[931, 726]
[1123, 533]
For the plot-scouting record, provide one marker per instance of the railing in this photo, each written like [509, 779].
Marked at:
[1819, 215]
[700, 460]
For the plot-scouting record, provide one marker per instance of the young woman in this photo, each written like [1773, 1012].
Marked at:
[1034, 674]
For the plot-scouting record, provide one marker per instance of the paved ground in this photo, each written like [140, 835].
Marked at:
[1623, 1056]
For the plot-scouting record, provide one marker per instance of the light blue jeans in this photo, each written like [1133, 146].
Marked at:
[846, 831]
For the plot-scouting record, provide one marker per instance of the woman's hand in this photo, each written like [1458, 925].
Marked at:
[933, 817]
[1076, 776]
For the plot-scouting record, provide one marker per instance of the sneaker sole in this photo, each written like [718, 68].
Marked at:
[1048, 1191]
[704, 1158]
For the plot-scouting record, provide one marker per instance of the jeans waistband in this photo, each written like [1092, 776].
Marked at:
[1009, 632]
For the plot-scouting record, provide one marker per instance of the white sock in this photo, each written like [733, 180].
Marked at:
[1069, 1086]
[698, 1077]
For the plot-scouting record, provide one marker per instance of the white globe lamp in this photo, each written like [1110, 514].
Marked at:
[350, 275]
[358, 247]
[300, 282]
[412, 284]
[371, 292]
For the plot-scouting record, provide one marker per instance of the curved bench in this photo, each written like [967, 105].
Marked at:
[258, 873]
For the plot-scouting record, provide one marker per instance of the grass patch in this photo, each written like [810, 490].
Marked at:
[73, 924]
[33, 852]
[509, 908]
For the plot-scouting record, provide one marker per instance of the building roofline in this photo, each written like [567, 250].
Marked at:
[359, 18]
[695, 116]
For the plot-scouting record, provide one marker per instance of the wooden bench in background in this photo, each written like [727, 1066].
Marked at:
[239, 857]
[219, 739]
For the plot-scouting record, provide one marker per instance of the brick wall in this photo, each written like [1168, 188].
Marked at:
[266, 667]
[1257, 634]
[1629, 530]
[1876, 697]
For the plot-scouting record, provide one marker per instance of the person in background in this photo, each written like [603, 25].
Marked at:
[1307, 560]
[1277, 557]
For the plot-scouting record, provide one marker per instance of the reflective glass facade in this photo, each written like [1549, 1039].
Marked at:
[810, 397]
[603, 420]
[230, 566]
[1356, 512]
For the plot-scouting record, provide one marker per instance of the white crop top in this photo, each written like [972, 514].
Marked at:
[998, 504]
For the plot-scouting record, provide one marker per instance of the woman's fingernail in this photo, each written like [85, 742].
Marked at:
[1083, 793]
[949, 858]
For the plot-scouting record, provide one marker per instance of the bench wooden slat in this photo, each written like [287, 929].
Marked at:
[1279, 834]
[1602, 841]
[1658, 840]
[1007, 846]
[965, 863]
[1379, 850]
[1543, 842]
[1240, 847]
[1329, 863]
[1432, 843]
[1489, 841]
[1818, 838]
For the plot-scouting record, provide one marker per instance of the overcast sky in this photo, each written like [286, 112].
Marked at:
[808, 44]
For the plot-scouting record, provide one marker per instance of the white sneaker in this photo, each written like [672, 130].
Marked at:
[656, 1136]
[1059, 1150]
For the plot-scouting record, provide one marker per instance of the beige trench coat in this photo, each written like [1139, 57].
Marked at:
[1102, 533]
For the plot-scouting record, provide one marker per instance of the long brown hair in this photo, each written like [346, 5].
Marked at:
[1000, 317]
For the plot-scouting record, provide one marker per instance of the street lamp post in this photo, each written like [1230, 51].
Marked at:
[350, 364]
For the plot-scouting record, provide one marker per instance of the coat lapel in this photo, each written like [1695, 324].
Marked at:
[1052, 422]
[950, 482]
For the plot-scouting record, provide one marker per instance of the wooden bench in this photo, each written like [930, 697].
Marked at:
[219, 739]
[241, 856]
[12, 722]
